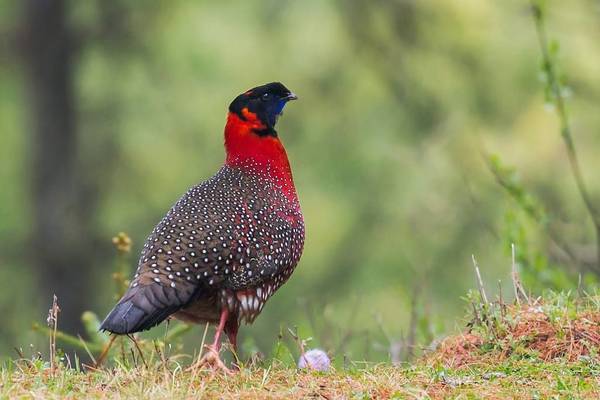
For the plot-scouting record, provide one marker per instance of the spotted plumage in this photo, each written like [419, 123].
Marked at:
[230, 242]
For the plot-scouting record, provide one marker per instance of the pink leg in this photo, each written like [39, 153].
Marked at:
[211, 357]
[220, 328]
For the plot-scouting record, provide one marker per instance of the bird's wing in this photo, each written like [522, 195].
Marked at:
[176, 263]
[145, 306]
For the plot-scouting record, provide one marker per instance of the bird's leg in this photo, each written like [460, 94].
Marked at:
[105, 351]
[222, 321]
[211, 357]
[231, 329]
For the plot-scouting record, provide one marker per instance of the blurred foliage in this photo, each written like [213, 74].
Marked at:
[398, 99]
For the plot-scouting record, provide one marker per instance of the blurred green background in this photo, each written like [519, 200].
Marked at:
[111, 109]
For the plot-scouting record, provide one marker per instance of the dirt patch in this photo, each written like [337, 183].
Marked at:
[529, 331]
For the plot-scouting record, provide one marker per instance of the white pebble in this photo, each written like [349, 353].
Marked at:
[316, 359]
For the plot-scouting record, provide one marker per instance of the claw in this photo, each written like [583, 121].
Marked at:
[212, 360]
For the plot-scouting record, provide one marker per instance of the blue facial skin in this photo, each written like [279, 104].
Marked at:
[274, 110]
[280, 105]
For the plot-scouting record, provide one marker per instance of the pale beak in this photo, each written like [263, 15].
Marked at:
[290, 96]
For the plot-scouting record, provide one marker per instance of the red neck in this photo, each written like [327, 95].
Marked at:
[264, 155]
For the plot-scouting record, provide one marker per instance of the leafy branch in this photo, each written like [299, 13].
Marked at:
[555, 94]
[507, 178]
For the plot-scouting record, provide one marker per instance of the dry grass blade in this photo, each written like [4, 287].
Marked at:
[479, 281]
[89, 353]
[517, 285]
[137, 346]
[53, 325]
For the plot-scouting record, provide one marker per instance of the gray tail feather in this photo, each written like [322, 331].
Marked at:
[142, 308]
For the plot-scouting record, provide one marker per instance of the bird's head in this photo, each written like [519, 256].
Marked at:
[251, 141]
[262, 106]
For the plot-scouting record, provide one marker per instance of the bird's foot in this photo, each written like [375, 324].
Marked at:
[211, 360]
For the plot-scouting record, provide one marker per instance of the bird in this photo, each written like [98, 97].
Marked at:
[230, 242]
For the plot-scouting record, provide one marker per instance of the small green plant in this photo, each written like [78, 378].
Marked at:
[99, 345]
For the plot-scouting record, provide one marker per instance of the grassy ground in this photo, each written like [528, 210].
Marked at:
[524, 379]
[533, 349]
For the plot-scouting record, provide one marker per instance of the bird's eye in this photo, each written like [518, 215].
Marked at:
[265, 96]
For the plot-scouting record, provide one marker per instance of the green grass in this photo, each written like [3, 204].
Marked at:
[510, 379]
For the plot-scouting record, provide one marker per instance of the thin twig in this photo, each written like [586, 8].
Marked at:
[53, 324]
[515, 275]
[300, 343]
[89, 353]
[19, 352]
[519, 289]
